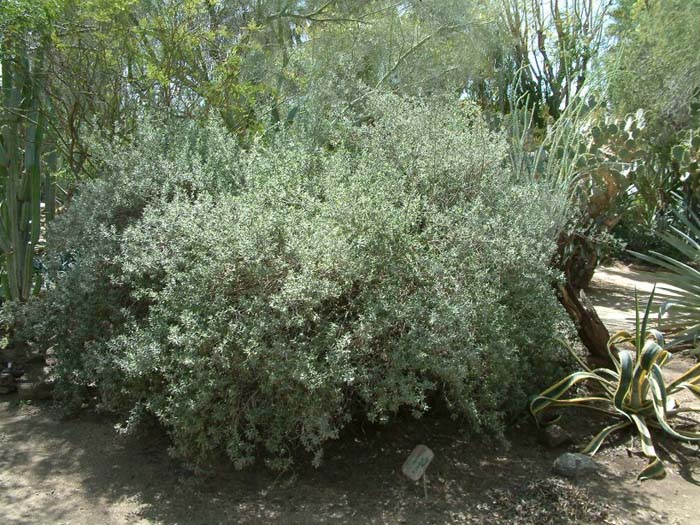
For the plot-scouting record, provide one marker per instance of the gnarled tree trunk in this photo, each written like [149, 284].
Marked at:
[591, 330]
[578, 267]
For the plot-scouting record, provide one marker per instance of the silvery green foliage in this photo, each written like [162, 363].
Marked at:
[257, 307]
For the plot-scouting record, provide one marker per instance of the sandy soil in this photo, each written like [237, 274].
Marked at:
[80, 471]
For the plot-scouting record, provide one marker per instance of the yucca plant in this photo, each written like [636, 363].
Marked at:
[635, 392]
[684, 307]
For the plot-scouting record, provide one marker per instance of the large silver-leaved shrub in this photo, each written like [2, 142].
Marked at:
[256, 301]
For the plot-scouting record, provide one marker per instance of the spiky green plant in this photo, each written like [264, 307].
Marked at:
[684, 307]
[635, 393]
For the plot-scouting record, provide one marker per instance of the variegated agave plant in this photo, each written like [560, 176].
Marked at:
[635, 392]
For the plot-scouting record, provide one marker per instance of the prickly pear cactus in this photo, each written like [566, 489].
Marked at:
[621, 169]
[616, 153]
[686, 156]
[610, 155]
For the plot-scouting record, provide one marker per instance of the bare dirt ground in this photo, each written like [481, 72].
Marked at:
[79, 471]
[612, 292]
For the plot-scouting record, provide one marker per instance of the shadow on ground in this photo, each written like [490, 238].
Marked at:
[612, 291]
[80, 471]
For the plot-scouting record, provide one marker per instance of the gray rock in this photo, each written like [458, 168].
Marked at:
[554, 436]
[573, 465]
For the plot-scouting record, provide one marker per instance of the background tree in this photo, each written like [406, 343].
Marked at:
[654, 65]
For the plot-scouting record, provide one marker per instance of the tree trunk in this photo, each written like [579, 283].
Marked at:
[593, 333]
[578, 258]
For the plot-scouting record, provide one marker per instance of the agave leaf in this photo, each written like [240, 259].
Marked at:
[654, 470]
[661, 359]
[637, 332]
[683, 410]
[579, 400]
[686, 279]
[638, 386]
[692, 228]
[650, 353]
[689, 334]
[682, 242]
[614, 376]
[608, 385]
[644, 435]
[691, 375]
[659, 259]
[553, 393]
[645, 319]
[693, 389]
[681, 435]
[656, 334]
[599, 438]
[685, 303]
[576, 357]
[626, 374]
[658, 392]
[643, 409]
[582, 402]
[618, 337]
[660, 401]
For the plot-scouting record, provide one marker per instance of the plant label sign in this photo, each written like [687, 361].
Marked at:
[415, 465]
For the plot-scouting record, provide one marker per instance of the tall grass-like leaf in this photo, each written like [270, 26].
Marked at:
[684, 310]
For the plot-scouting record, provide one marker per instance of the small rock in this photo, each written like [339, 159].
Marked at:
[553, 436]
[573, 465]
[35, 391]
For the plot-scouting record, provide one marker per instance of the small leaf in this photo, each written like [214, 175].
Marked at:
[654, 470]
[677, 152]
